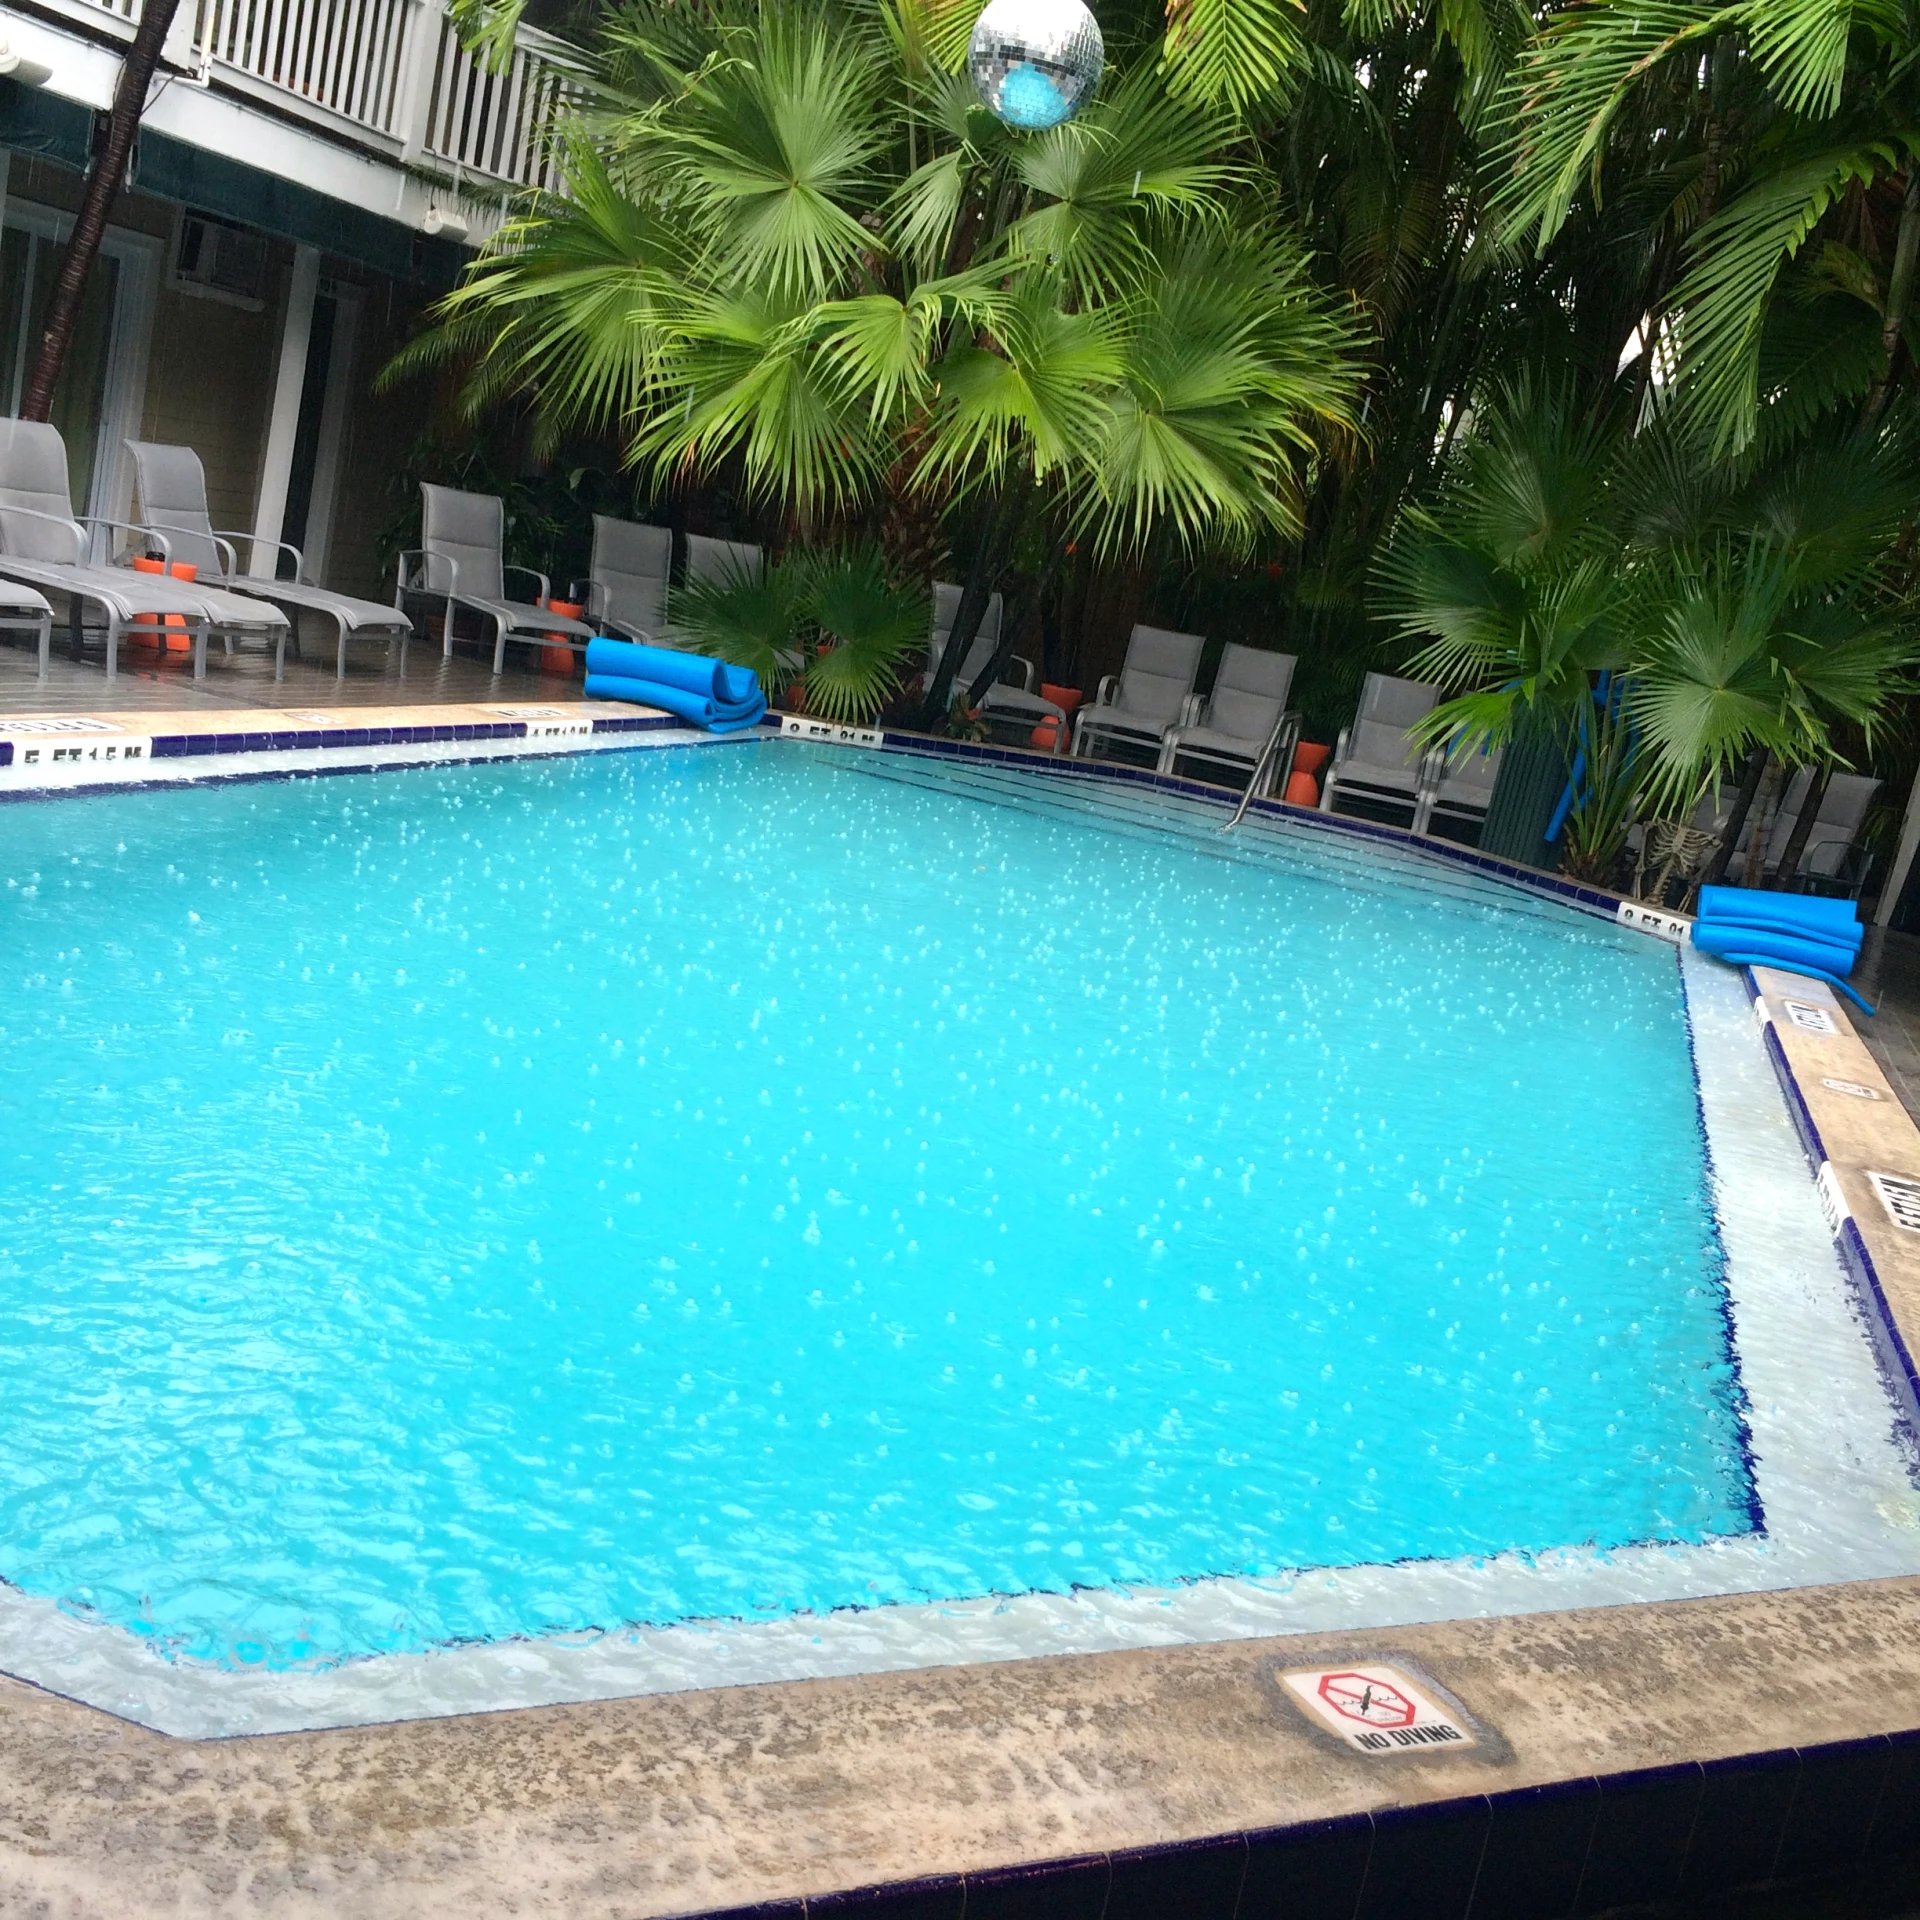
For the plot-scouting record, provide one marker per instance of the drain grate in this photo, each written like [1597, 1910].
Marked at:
[1851, 1086]
[1900, 1195]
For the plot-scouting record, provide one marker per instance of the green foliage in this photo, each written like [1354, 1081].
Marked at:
[1738, 610]
[801, 256]
[831, 619]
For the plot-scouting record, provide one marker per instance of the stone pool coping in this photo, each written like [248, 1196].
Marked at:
[1633, 1752]
[1856, 1134]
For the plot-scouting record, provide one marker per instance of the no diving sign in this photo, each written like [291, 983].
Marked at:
[1376, 1709]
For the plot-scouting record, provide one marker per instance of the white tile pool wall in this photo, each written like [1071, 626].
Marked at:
[1833, 1479]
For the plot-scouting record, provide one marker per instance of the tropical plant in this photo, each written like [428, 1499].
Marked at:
[1671, 614]
[833, 621]
[794, 249]
[1771, 145]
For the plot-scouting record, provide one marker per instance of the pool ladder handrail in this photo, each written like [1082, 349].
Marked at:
[1287, 728]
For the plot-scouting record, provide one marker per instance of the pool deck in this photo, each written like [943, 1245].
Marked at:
[1624, 1753]
[1616, 1754]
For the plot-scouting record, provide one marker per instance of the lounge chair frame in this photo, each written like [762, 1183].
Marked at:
[176, 477]
[453, 523]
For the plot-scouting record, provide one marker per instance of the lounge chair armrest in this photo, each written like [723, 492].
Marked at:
[428, 563]
[1190, 709]
[1340, 748]
[58, 520]
[533, 573]
[230, 540]
[1025, 682]
[128, 526]
[1109, 686]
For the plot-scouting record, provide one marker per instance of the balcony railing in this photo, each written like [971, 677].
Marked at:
[393, 70]
[489, 123]
[344, 55]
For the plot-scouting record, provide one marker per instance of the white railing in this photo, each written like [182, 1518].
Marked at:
[344, 55]
[490, 123]
[394, 69]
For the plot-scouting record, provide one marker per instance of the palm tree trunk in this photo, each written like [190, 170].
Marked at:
[1788, 877]
[1755, 869]
[1906, 249]
[1014, 625]
[989, 556]
[90, 223]
[1749, 785]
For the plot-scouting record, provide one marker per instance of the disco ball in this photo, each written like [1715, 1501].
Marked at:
[1035, 61]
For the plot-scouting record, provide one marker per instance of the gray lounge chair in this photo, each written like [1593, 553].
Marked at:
[1016, 704]
[1377, 759]
[1148, 697]
[1842, 812]
[460, 562]
[173, 502]
[717, 563]
[1248, 701]
[24, 611]
[43, 545]
[627, 581]
[1458, 785]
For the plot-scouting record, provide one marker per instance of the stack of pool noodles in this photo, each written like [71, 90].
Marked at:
[1796, 932]
[710, 693]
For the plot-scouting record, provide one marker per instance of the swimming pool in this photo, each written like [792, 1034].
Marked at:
[704, 1186]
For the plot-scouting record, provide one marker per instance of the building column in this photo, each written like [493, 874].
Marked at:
[283, 423]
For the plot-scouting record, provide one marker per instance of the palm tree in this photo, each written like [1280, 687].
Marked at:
[1669, 614]
[1781, 137]
[793, 249]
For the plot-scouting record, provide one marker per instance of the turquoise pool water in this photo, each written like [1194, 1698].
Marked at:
[499, 1200]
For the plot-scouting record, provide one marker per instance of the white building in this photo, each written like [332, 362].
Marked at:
[306, 174]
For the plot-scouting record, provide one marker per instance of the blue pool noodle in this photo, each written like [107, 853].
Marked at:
[1717, 937]
[716, 680]
[716, 716]
[1804, 914]
[1799, 933]
[1811, 973]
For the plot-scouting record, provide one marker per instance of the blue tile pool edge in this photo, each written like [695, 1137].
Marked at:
[1896, 1359]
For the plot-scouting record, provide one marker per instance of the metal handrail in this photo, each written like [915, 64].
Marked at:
[1281, 727]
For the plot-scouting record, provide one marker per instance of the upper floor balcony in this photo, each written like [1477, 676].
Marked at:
[375, 102]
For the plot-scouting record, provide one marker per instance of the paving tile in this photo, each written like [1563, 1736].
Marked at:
[1197, 1881]
[1896, 1826]
[1056, 1890]
[1310, 1872]
[941, 1898]
[1536, 1851]
[1640, 1837]
[1744, 1804]
[1833, 1811]
[1425, 1860]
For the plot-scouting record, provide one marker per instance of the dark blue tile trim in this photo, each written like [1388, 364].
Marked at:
[1593, 899]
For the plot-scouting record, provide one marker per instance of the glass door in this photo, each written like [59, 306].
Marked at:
[95, 404]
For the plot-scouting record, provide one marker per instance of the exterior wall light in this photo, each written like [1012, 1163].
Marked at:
[15, 66]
